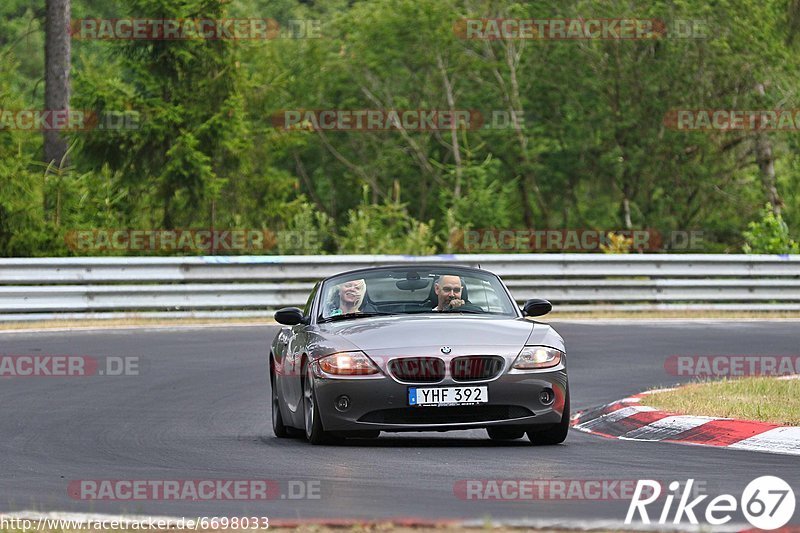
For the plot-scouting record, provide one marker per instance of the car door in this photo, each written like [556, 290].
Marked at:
[296, 346]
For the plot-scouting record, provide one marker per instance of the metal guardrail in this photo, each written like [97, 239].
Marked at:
[256, 285]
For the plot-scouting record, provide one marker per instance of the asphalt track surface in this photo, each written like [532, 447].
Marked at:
[200, 410]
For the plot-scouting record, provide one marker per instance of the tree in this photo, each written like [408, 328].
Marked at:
[56, 75]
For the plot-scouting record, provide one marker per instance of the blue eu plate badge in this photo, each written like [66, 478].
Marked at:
[412, 396]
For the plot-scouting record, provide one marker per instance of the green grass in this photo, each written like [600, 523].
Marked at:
[765, 399]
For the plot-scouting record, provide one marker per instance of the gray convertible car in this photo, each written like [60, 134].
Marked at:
[417, 348]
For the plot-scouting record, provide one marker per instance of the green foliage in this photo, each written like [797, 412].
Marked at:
[617, 244]
[592, 149]
[770, 235]
[485, 201]
[309, 232]
[25, 228]
[385, 229]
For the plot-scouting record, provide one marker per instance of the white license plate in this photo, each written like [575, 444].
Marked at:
[441, 396]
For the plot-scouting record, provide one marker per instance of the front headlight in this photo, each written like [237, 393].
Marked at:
[537, 357]
[348, 364]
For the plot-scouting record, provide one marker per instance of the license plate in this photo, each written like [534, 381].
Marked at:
[442, 396]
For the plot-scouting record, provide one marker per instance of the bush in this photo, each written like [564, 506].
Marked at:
[309, 232]
[385, 229]
[770, 235]
[617, 244]
[486, 203]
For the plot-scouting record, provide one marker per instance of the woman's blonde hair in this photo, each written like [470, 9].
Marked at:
[336, 297]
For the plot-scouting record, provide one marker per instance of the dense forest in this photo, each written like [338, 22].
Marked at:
[561, 133]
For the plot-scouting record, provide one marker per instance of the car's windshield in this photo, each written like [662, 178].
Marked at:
[414, 290]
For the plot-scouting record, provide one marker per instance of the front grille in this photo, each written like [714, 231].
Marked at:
[418, 369]
[475, 367]
[446, 415]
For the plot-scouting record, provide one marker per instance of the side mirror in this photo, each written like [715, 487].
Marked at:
[536, 307]
[289, 316]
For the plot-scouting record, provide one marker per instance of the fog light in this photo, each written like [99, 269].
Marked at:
[547, 396]
[342, 403]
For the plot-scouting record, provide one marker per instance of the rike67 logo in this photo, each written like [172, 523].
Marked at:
[767, 503]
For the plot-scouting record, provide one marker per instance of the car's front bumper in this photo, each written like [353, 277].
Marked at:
[382, 403]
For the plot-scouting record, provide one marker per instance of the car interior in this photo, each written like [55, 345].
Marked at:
[382, 296]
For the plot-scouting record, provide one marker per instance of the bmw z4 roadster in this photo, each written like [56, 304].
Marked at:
[417, 348]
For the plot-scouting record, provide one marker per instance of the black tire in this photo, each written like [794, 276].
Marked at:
[501, 433]
[278, 428]
[312, 422]
[555, 434]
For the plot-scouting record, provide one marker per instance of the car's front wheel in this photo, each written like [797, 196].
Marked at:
[555, 434]
[313, 423]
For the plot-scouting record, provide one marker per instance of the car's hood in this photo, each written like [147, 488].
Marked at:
[389, 333]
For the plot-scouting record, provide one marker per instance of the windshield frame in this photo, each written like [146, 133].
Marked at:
[374, 272]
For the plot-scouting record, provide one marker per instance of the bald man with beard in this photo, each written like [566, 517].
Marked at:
[448, 291]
